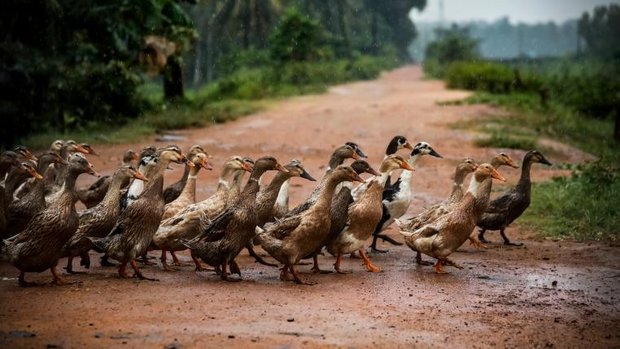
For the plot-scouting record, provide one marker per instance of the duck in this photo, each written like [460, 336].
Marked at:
[188, 194]
[98, 220]
[137, 224]
[397, 197]
[54, 186]
[440, 238]
[364, 214]
[510, 205]
[187, 223]
[148, 159]
[339, 210]
[93, 194]
[349, 150]
[20, 211]
[233, 229]
[8, 159]
[290, 239]
[39, 246]
[266, 198]
[173, 191]
[16, 174]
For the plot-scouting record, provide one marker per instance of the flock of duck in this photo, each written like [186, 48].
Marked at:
[130, 213]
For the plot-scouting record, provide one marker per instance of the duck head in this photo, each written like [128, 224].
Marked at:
[296, 169]
[200, 160]
[130, 156]
[362, 166]
[56, 145]
[423, 148]
[23, 151]
[357, 150]
[397, 143]
[89, 149]
[73, 147]
[268, 163]
[30, 169]
[485, 171]
[129, 171]
[395, 162]
[79, 163]
[503, 159]
[346, 173]
[536, 156]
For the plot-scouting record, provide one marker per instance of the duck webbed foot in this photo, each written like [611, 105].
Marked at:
[337, 265]
[175, 260]
[199, 266]
[164, 262]
[368, 263]
[508, 242]
[138, 273]
[56, 279]
[449, 262]
[298, 280]
[477, 244]
[373, 246]
[284, 276]
[85, 260]
[419, 261]
[234, 267]
[224, 273]
[144, 259]
[439, 267]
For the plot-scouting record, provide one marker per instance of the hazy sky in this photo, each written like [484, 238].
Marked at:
[529, 11]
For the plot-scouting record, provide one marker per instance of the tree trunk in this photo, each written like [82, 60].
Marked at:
[173, 79]
[343, 29]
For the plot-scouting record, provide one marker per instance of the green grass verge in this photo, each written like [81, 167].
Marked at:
[582, 207]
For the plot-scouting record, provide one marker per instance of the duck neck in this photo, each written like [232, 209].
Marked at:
[113, 195]
[5, 166]
[481, 191]
[335, 161]
[67, 193]
[276, 184]
[392, 148]
[525, 184]
[253, 184]
[324, 199]
[14, 179]
[189, 190]
[405, 176]
[457, 187]
[186, 172]
[223, 183]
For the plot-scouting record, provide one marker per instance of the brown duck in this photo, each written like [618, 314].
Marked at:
[39, 246]
[290, 239]
[443, 236]
[137, 224]
[233, 229]
[172, 192]
[509, 206]
[97, 221]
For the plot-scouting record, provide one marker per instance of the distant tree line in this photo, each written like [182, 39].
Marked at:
[70, 64]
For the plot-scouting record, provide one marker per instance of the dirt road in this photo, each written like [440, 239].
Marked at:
[546, 294]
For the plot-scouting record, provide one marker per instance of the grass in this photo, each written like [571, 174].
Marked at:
[581, 207]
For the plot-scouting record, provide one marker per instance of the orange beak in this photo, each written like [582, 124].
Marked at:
[246, 167]
[408, 146]
[204, 164]
[406, 166]
[36, 175]
[140, 176]
[356, 178]
[497, 175]
[512, 164]
[355, 156]
[81, 149]
[281, 168]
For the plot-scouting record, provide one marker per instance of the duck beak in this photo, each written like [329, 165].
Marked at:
[497, 175]
[408, 146]
[406, 166]
[356, 178]
[92, 151]
[545, 161]
[246, 167]
[281, 168]
[204, 164]
[435, 154]
[373, 172]
[136, 157]
[81, 149]
[475, 167]
[140, 176]
[355, 156]
[360, 153]
[28, 155]
[307, 176]
[36, 175]
[512, 164]
[188, 163]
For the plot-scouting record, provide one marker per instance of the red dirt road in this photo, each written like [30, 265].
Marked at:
[546, 294]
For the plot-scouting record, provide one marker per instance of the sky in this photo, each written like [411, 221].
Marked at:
[527, 11]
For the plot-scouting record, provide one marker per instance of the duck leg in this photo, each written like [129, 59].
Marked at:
[234, 267]
[284, 274]
[22, 280]
[337, 265]
[418, 259]
[85, 260]
[258, 258]
[368, 263]
[373, 246]
[389, 239]
[439, 267]
[477, 244]
[175, 259]
[144, 259]
[199, 266]
[298, 280]
[224, 273]
[164, 263]
[506, 241]
[122, 270]
[69, 267]
[316, 269]
[481, 236]
[57, 280]
[138, 273]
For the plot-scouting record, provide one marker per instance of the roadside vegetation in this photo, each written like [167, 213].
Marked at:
[575, 100]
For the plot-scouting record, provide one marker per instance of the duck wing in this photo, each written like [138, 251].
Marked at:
[390, 191]
[217, 228]
[283, 228]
